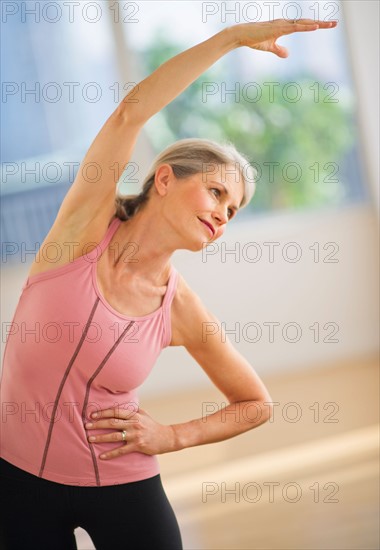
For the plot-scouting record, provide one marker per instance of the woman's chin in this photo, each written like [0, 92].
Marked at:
[197, 245]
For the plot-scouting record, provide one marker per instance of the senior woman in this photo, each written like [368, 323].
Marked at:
[76, 448]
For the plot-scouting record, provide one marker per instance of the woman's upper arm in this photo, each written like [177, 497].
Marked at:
[92, 194]
[203, 335]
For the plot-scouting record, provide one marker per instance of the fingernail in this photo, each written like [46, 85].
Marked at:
[102, 456]
[94, 415]
[89, 425]
[92, 438]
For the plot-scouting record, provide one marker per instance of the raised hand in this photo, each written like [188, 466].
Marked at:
[262, 36]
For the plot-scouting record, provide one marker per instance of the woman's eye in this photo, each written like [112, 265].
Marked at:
[230, 212]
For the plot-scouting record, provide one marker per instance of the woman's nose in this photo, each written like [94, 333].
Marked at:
[221, 215]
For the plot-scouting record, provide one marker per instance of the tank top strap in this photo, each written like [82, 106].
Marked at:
[95, 253]
[114, 224]
[166, 303]
[171, 288]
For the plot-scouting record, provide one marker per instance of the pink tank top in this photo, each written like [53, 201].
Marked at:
[68, 354]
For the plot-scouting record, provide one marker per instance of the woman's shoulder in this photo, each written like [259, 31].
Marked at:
[69, 240]
[189, 315]
[185, 297]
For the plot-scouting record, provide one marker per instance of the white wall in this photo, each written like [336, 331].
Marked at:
[304, 292]
[362, 26]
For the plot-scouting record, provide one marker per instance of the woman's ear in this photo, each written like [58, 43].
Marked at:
[163, 177]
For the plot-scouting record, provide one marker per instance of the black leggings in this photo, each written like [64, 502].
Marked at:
[41, 514]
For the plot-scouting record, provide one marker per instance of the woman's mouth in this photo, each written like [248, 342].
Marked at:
[209, 226]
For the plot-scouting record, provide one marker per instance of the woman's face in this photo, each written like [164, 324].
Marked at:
[199, 207]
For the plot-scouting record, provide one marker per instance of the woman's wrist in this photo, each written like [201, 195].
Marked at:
[232, 37]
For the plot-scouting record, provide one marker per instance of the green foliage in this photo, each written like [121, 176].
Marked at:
[297, 145]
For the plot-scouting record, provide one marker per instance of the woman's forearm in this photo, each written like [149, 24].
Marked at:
[227, 422]
[153, 93]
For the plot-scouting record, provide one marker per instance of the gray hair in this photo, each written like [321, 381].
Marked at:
[188, 157]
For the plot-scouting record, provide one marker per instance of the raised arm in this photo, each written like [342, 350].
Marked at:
[175, 75]
[172, 77]
[114, 144]
[89, 198]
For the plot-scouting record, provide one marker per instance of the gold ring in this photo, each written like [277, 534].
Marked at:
[124, 435]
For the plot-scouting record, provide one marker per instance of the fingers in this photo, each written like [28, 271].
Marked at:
[118, 420]
[108, 438]
[305, 21]
[280, 51]
[117, 413]
[291, 27]
[119, 451]
[111, 423]
[106, 420]
[319, 22]
[127, 445]
[301, 25]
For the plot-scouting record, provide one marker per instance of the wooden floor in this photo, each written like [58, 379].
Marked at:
[309, 479]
